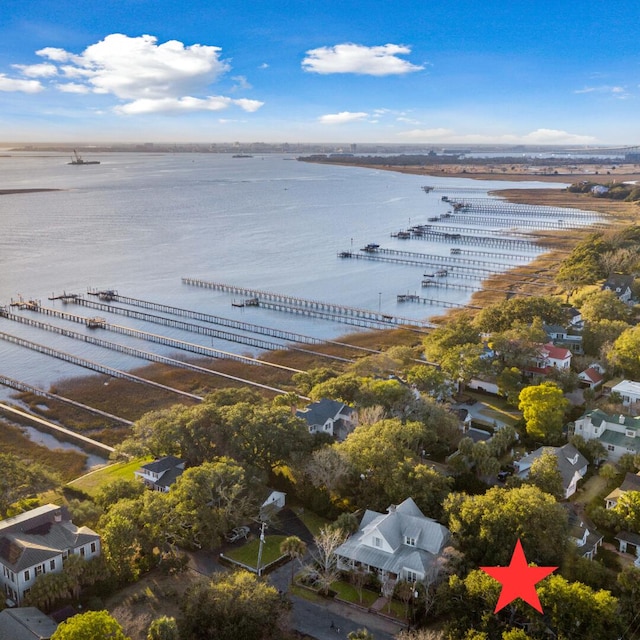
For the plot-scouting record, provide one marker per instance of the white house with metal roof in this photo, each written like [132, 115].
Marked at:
[402, 544]
[38, 542]
[619, 434]
[629, 391]
[572, 465]
[160, 474]
[328, 416]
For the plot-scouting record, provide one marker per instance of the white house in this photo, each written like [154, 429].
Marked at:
[334, 418]
[571, 464]
[38, 542]
[582, 533]
[621, 285]
[160, 474]
[619, 434]
[402, 544]
[629, 391]
[549, 357]
[591, 377]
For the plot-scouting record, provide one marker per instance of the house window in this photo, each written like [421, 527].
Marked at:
[39, 569]
[93, 547]
[377, 542]
[26, 592]
[26, 575]
[630, 433]
[410, 541]
[82, 551]
[52, 564]
[412, 576]
[610, 447]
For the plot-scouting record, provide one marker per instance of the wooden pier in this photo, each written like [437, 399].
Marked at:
[135, 333]
[459, 238]
[327, 310]
[88, 364]
[491, 205]
[437, 303]
[138, 353]
[443, 284]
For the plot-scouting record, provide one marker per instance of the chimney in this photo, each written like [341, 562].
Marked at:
[392, 508]
[57, 516]
[621, 419]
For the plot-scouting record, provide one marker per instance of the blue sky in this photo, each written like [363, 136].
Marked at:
[444, 72]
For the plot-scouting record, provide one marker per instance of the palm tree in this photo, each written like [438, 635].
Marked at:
[360, 634]
[294, 548]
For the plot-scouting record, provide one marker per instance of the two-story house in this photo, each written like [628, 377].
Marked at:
[402, 544]
[38, 542]
[583, 533]
[629, 391]
[621, 285]
[160, 474]
[619, 434]
[549, 357]
[334, 418]
[572, 465]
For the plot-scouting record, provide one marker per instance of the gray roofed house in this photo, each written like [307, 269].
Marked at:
[619, 434]
[160, 474]
[583, 533]
[334, 418]
[631, 482]
[621, 285]
[26, 623]
[38, 542]
[571, 464]
[402, 544]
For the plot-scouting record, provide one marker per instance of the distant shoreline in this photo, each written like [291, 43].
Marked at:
[8, 192]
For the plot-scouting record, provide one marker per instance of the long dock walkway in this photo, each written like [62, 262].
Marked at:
[328, 310]
[89, 364]
[138, 353]
[489, 205]
[505, 243]
[55, 427]
[409, 297]
[18, 385]
[281, 334]
[100, 323]
[450, 260]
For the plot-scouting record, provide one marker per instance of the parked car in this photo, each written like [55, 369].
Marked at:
[236, 534]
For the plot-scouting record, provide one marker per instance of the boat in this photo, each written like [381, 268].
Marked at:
[77, 159]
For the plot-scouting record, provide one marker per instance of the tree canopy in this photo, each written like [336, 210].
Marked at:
[92, 625]
[543, 407]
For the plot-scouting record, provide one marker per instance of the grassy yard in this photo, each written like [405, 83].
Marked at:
[312, 521]
[248, 553]
[349, 593]
[91, 482]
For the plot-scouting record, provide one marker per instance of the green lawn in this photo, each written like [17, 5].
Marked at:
[348, 592]
[91, 482]
[312, 521]
[248, 553]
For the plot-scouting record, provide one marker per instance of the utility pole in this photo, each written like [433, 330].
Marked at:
[262, 528]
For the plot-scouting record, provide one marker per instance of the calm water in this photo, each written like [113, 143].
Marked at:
[139, 222]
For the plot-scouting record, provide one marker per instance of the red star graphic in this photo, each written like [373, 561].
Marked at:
[518, 580]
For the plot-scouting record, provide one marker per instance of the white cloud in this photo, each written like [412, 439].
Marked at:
[615, 91]
[43, 70]
[354, 58]
[146, 76]
[15, 84]
[185, 104]
[539, 136]
[343, 117]
[264, 65]
[55, 54]
[72, 87]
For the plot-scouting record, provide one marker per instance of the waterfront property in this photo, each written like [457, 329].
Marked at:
[160, 474]
[619, 434]
[334, 418]
[38, 542]
[402, 544]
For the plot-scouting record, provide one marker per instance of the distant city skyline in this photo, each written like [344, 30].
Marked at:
[464, 73]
